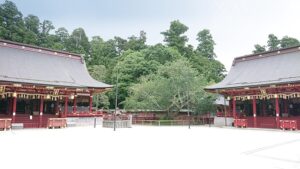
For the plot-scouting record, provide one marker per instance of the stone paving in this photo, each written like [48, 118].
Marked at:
[144, 147]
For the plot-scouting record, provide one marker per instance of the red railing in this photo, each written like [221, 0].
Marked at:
[86, 114]
[222, 114]
[118, 117]
[144, 116]
[240, 123]
[288, 124]
[5, 124]
[57, 123]
[34, 121]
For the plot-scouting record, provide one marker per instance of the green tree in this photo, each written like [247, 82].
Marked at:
[174, 37]
[44, 40]
[213, 70]
[120, 44]
[289, 42]
[30, 38]
[206, 44]
[129, 69]
[63, 35]
[259, 49]
[32, 23]
[161, 53]
[273, 42]
[98, 72]
[174, 87]
[79, 42]
[102, 52]
[12, 25]
[136, 43]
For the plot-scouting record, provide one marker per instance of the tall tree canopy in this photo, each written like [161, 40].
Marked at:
[173, 74]
[175, 86]
[274, 43]
[79, 42]
[289, 42]
[206, 44]
[12, 25]
[174, 36]
[259, 49]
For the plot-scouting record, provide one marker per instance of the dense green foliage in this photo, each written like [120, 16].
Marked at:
[274, 43]
[168, 76]
[175, 86]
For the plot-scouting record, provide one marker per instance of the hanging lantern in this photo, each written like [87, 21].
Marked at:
[14, 94]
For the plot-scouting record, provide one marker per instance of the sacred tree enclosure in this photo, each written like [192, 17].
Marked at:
[37, 84]
[264, 89]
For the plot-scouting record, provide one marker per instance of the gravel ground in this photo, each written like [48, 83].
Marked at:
[144, 147]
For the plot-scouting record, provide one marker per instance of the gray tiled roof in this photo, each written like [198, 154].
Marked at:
[24, 66]
[278, 68]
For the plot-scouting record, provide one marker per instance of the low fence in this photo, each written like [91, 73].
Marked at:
[119, 123]
[84, 121]
[223, 121]
[172, 122]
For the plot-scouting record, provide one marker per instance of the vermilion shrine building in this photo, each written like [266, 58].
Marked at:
[264, 89]
[38, 83]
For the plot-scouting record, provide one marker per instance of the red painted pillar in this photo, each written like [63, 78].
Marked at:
[14, 108]
[41, 110]
[91, 103]
[254, 112]
[277, 111]
[66, 106]
[74, 105]
[234, 107]
[229, 106]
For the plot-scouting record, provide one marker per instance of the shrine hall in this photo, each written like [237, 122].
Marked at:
[38, 83]
[263, 89]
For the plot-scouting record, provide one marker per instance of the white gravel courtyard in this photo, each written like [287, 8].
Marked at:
[143, 147]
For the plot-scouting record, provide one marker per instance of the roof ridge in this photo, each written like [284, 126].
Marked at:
[39, 49]
[266, 54]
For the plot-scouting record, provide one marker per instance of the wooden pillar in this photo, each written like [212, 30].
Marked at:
[234, 107]
[277, 111]
[74, 105]
[14, 108]
[41, 110]
[91, 103]
[254, 112]
[66, 106]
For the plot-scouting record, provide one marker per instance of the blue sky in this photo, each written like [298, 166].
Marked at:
[236, 25]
